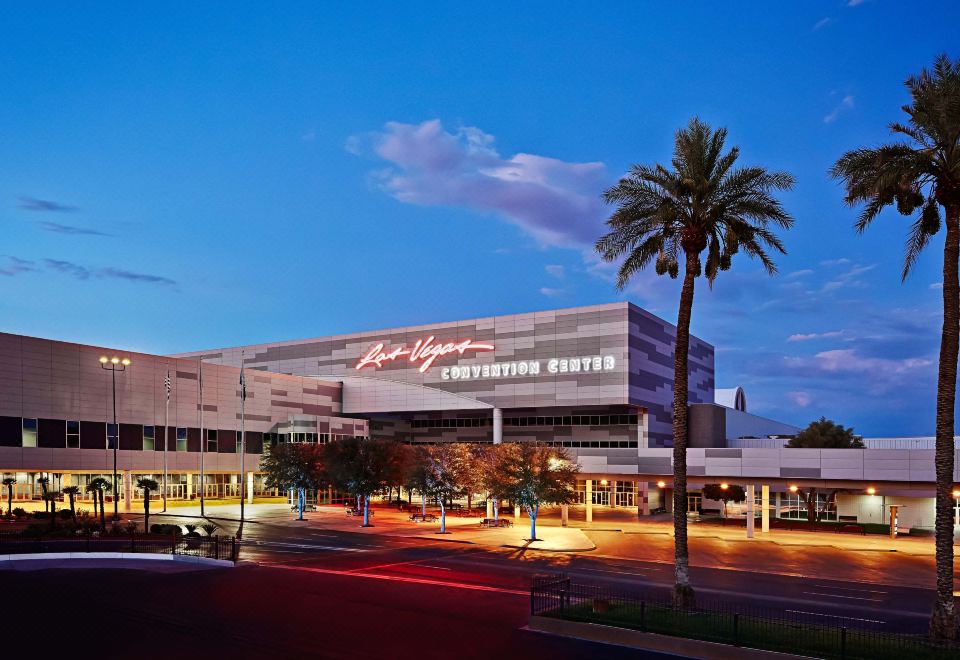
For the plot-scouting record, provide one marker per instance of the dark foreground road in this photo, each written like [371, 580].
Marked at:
[271, 612]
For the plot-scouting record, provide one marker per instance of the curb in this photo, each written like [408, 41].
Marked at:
[10, 561]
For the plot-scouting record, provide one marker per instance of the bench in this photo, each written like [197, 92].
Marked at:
[423, 517]
[851, 529]
[493, 522]
[306, 507]
[353, 511]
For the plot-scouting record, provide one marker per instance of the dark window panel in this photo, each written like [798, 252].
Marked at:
[52, 433]
[193, 440]
[131, 437]
[93, 435]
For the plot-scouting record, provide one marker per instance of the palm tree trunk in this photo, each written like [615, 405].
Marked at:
[73, 510]
[146, 511]
[683, 595]
[943, 623]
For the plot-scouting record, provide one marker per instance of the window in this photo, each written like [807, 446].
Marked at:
[211, 440]
[29, 432]
[239, 444]
[112, 436]
[73, 434]
[149, 438]
[181, 439]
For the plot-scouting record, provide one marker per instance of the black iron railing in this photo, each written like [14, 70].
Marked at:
[729, 623]
[209, 547]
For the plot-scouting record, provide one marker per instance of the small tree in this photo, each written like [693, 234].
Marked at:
[537, 475]
[71, 492]
[9, 482]
[98, 487]
[50, 500]
[43, 481]
[294, 465]
[398, 468]
[416, 476]
[471, 476]
[446, 466]
[493, 474]
[825, 434]
[361, 467]
[732, 493]
[147, 485]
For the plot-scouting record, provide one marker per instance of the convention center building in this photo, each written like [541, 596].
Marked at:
[597, 381]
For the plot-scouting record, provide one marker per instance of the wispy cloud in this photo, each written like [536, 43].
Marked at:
[846, 103]
[552, 293]
[855, 3]
[835, 262]
[46, 205]
[68, 268]
[799, 399]
[815, 335]
[874, 374]
[799, 273]
[936, 285]
[118, 273]
[556, 202]
[16, 265]
[822, 23]
[59, 228]
[555, 270]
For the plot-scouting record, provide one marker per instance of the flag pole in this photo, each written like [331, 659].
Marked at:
[166, 435]
[243, 440]
[203, 442]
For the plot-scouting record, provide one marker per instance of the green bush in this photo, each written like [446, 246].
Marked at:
[65, 514]
[19, 512]
[166, 529]
[40, 515]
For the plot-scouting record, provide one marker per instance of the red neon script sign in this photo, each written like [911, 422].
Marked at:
[425, 351]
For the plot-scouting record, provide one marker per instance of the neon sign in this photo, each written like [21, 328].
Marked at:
[425, 351]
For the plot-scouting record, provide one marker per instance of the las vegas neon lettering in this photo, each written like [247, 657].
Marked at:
[424, 351]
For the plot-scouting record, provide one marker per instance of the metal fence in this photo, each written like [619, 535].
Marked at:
[729, 623]
[209, 547]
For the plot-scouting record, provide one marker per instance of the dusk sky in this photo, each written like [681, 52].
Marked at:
[196, 175]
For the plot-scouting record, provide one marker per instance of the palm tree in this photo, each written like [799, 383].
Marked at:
[72, 492]
[700, 203]
[43, 481]
[98, 487]
[147, 485]
[9, 483]
[91, 488]
[922, 172]
[50, 498]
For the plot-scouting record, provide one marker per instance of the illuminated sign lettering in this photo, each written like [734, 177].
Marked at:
[571, 365]
[425, 351]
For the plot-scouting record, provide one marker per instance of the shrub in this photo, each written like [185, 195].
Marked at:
[40, 515]
[65, 514]
[210, 528]
[130, 527]
[166, 529]
[191, 529]
[19, 512]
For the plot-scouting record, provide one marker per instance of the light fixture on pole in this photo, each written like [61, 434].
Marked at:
[113, 365]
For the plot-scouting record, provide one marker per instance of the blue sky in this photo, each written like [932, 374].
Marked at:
[190, 175]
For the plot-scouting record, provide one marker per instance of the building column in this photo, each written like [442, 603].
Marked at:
[188, 493]
[489, 507]
[776, 508]
[764, 509]
[497, 426]
[127, 490]
[65, 480]
[564, 514]
[249, 488]
[751, 495]
[516, 512]
[643, 429]
[588, 500]
[644, 495]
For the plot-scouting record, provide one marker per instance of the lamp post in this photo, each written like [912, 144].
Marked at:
[113, 365]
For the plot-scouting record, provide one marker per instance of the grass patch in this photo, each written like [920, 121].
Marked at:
[754, 632]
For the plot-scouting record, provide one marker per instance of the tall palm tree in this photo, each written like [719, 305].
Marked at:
[9, 482]
[51, 497]
[147, 485]
[43, 481]
[71, 492]
[665, 214]
[922, 172]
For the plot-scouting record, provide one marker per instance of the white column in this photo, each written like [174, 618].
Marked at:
[750, 521]
[564, 514]
[249, 487]
[643, 429]
[489, 507]
[764, 508]
[127, 490]
[516, 512]
[189, 487]
[497, 426]
[776, 508]
[588, 500]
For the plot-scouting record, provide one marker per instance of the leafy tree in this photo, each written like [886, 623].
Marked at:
[71, 492]
[536, 475]
[471, 476]
[98, 487]
[147, 485]
[294, 465]
[399, 467]
[825, 434]
[361, 467]
[732, 493]
[9, 482]
[701, 203]
[416, 478]
[920, 174]
[446, 465]
[493, 473]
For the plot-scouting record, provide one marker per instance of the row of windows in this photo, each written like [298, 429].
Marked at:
[573, 444]
[569, 420]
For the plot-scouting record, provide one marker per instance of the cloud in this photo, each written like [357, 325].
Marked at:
[937, 285]
[309, 136]
[877, 375]
[815, 335]
[845, 104]
[16, 265]
[556, 202]
[68, 268]
[822, 23]
[855, 3]
[118, 273]
[555, 270]
[849, 278]
[800, 399]
[59, 228]
[552, 293]
[799, 273]
[34, 204]
[835, 262]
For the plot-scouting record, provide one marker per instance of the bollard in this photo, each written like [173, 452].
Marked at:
[736, 630]
[643, 615]
[843, 643]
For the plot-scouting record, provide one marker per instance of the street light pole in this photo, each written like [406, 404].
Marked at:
[113, 365]
[243, 440]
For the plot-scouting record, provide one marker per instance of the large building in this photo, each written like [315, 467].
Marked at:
[596, 380]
